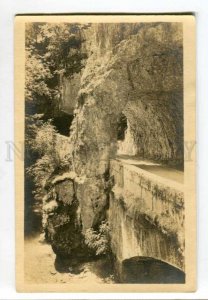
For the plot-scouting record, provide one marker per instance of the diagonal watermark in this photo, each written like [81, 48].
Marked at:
[16, 150]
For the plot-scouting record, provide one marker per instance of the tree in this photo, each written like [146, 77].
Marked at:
[52, 51]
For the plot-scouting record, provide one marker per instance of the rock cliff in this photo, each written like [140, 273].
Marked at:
[134, 69]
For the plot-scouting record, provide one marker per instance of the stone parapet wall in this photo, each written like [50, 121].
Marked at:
[150, 210]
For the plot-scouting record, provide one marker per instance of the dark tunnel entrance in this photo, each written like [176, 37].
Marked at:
[122, 126]
[63, 122]
[150, 270]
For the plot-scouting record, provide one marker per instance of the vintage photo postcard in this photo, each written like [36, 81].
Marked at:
[105, 183]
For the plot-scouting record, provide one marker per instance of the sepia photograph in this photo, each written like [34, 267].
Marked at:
[105, 189]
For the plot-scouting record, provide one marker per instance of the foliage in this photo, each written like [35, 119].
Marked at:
[44, 139]
[32, 125]
[37, 75]
[52, 151]
[99, 241]
[52, 50]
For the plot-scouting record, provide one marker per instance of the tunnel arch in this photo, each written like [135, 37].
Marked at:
[126, 145]
[122, 126]
[141, 269]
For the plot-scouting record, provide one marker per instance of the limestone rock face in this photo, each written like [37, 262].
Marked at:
[69, 91]
[135, 70]
[132, 69]
[62, 221]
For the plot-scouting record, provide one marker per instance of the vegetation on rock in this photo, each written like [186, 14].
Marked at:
[99, 241]
[52, 50]
[50, 150]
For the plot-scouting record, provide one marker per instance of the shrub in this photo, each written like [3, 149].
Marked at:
[99, 241]
[53, 153]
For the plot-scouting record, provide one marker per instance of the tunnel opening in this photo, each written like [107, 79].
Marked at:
[141, 143]
[63, 123]
[126, 145]
[150, 270]
[121, 127]
[152, 131]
